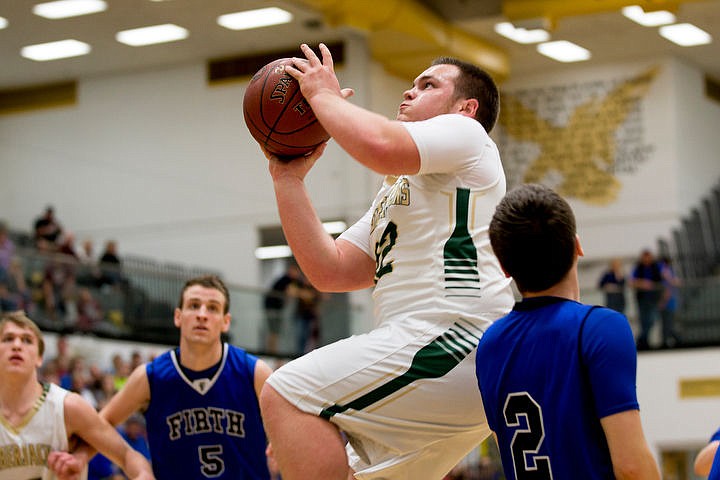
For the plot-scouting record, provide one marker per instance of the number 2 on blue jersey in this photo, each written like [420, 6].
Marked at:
[528, 438]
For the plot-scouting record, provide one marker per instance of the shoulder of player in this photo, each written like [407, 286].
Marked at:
[78, 412]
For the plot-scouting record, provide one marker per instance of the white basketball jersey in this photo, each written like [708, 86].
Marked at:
[428, 233]
[24, 449]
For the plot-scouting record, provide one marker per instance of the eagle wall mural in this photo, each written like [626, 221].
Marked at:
[575, 138]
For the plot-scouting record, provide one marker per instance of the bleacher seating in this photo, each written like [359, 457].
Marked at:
[694, 248]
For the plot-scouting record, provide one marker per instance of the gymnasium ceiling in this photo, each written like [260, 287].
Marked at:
[403, 34]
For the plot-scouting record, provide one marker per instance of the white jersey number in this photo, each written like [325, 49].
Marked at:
[382, 249]
[528, 438]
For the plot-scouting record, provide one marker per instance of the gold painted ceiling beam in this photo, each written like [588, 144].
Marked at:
[405, 35]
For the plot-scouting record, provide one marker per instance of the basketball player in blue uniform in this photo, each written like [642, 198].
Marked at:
[200, 400]
[557, 377]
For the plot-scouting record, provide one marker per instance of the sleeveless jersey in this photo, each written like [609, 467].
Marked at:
[548, 372]
[207, 428]
[24, 449]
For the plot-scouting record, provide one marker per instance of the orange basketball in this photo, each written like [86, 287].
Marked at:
[278, 116]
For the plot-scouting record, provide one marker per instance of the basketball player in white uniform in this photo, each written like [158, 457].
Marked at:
[403, 394]
[36, 420]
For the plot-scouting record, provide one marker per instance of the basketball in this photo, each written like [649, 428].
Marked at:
[278, 116]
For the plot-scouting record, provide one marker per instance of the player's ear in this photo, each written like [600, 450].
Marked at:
[578, 246]
[226, 322]
[176, 317]
[469, 106]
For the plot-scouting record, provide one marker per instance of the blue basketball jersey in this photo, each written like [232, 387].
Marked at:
[548, 372]
[207, 428]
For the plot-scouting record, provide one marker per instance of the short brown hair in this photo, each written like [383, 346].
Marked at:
[474, 82]
[20, 319]
[207, 281]
[533, 236]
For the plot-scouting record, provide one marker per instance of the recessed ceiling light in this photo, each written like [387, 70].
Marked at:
[3, 23]
[55, 50]
[648, 19]
[521, 35]
[685, 34]
[69, 8]
[138, 37]
[564, 51]
[262, 17]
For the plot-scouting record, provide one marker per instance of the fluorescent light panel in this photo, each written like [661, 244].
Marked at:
[262, 17]
[138, 37]
[69, 8]
[521, 35]
[3, 23]
[563, 51]
[334, 227]
[283, 251]
[685, 34]
[275, 251]
[648, 19]
[55, 50]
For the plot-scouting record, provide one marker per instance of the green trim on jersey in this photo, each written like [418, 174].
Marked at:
[434, 360]
[460, 253]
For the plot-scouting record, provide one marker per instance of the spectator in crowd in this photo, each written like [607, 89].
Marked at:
[120, 370]
[612, 283]
[135, 360]
[275, 300]
[47, 230]
[17, 285]
[7, 247]
[110, 265]
[134, 433]
[66, 245]
[89, 311]
[307, 317]
[669, 302]
[59, 283]
[8, 303]
[89, 273]
[81, 383]
[104, 389]
[647, 283]
[63, 357]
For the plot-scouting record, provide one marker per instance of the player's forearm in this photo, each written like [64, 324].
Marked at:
[313, 248]
[136, 467]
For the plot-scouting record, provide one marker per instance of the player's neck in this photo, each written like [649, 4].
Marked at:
[200, 356]
[17, 398]
[568, 288]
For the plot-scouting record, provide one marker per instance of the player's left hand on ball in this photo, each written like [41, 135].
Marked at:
[65, 465]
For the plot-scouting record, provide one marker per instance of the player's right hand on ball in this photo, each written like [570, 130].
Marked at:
[65, 465]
